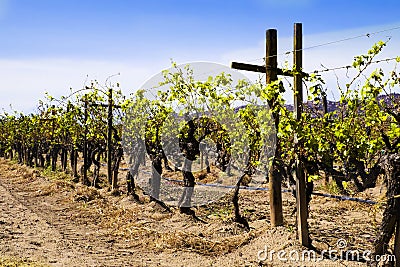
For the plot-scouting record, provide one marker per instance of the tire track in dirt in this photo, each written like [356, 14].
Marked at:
[39, 227]
[26, 234]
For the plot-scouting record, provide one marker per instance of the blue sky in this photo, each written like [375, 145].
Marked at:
[50, 45]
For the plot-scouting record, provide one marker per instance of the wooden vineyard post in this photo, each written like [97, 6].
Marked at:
[324, 112]
[109, 140]
[271, 71]
[301, 203]
[112, 179]
[85, 160]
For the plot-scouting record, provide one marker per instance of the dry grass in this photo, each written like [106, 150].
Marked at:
[19, 262]
[55, 187]
[203, 245]
[179, 240]
[86, 194]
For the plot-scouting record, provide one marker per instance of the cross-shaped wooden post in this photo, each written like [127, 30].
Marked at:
[272, 71]
[110, 105]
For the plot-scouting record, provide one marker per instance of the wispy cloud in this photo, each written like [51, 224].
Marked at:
[24, 82]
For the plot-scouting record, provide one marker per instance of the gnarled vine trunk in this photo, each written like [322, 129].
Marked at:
[391, 214]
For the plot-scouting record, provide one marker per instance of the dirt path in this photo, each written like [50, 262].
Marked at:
[60, 223]
[36, 224]
[29, 235]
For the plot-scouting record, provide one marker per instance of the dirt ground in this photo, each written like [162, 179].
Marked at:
[48, 221]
